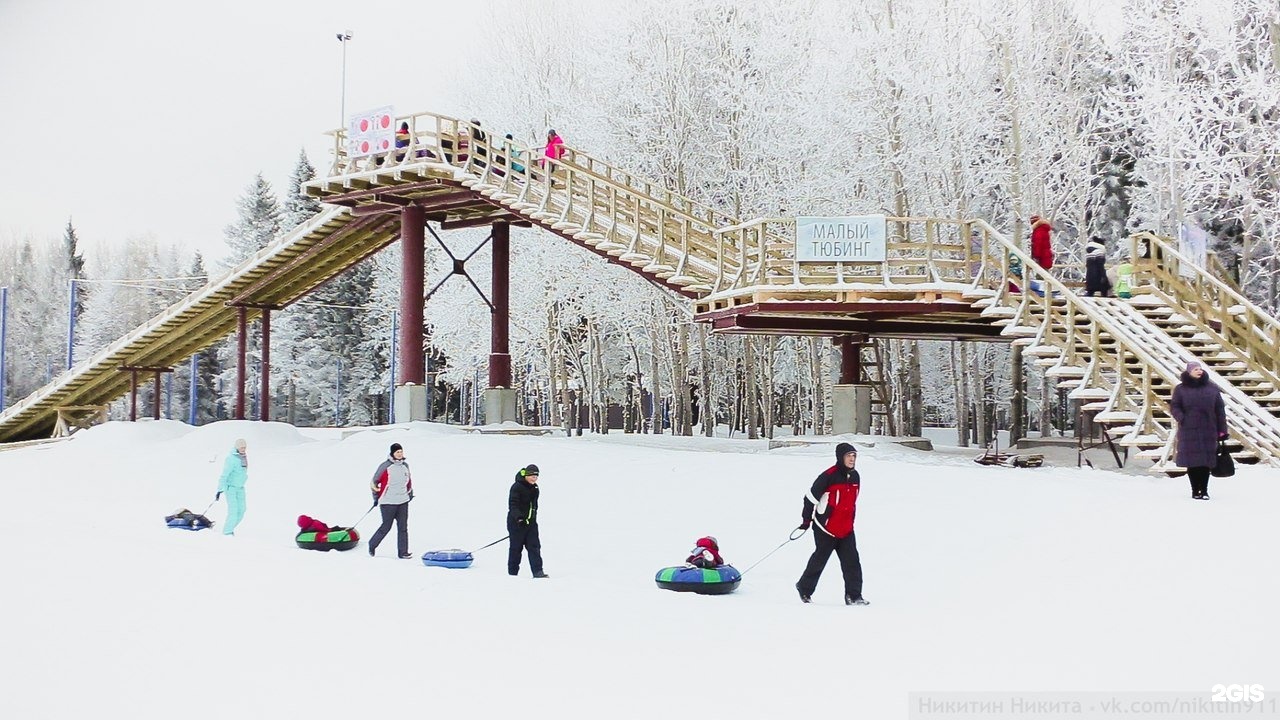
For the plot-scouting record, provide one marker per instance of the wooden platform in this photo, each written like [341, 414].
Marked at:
[880, 318]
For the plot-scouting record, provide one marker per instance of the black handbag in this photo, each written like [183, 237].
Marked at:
[1226, 465]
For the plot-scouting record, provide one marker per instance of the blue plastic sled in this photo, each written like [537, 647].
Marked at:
[451, 558]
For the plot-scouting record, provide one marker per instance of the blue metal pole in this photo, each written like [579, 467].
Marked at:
[391, 406]
[337, 397]
[192, 400]
[4, 333]
[71, 327]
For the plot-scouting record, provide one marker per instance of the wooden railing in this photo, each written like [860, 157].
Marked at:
[640, 220]
[1214, 302]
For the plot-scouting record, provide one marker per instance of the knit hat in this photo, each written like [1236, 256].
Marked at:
[394, 448]
[843, 449]
[240, 444]
[1194, 364]
[529, 469]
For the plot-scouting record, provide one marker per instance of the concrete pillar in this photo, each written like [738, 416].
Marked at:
[851, 409]
[411, 403]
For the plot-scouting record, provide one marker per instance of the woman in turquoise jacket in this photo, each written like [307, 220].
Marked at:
[235, 471]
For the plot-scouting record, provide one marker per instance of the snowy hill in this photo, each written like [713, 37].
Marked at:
[980, 578]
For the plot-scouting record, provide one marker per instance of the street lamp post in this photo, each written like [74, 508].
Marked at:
[391, 405]
[71, 327]
[4, 332]
[343, 37]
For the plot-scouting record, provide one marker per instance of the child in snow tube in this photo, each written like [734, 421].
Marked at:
[705, 554]
[184, 519]
[315, 535]
[704, 572]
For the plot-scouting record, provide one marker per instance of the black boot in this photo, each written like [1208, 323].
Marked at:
[803, 598]
[852, 600]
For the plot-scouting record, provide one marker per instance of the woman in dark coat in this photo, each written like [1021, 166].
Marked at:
[1202, 422]
[1095, 269]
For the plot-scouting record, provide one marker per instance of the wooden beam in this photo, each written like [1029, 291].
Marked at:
[348, 197]
[476, 222]
[243, 298]
[378, 208]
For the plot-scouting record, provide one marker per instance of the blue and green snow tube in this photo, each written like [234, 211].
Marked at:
[704, 581]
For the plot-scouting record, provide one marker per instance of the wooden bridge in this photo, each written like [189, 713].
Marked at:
[942, 279]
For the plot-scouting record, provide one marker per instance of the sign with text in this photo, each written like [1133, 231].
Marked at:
[371, 132]
[856, 238]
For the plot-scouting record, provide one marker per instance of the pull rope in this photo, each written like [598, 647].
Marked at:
[792, 536]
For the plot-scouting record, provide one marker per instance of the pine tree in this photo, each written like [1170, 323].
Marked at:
[258, 222]
[298, 207]
[209, 406]
[257, 226]
[74, 260]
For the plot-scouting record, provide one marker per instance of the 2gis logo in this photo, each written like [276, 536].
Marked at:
[1237, 693]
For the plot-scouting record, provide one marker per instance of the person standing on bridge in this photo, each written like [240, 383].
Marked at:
[1095, 269]
[553, 151]
[1202, 423]
[833, 502]
[1041, 245]
[235, 472]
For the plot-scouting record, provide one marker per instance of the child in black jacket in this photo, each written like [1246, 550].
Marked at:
[522, 522]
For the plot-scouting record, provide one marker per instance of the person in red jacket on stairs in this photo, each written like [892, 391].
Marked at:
[832, 502]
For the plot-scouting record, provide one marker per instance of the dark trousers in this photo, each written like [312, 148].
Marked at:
[399, 514]
[524, 537]
[1199, 480]
[846, 549]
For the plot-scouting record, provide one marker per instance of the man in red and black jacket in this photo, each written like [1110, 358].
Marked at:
[834, 497]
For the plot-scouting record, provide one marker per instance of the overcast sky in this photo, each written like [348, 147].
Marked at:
[140, 116]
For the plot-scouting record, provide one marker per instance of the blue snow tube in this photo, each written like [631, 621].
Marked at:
[704, 581]
[451, 558]
[186, 520]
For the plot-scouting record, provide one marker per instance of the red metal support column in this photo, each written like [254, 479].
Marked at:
[155, 398]
[264, 397]
[499, 335]
[850, 360]
[412, 274]
[242, 333]
[133, 395]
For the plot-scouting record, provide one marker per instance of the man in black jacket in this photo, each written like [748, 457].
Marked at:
[522, 522]
[831, 505]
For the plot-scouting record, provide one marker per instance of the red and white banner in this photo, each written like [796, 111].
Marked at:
[371, 132]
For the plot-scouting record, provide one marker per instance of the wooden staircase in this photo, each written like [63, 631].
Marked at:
[1122, 358]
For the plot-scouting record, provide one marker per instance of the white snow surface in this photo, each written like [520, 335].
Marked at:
[980, 578]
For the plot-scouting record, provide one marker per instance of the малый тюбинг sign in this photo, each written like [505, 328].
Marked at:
[854, 238]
